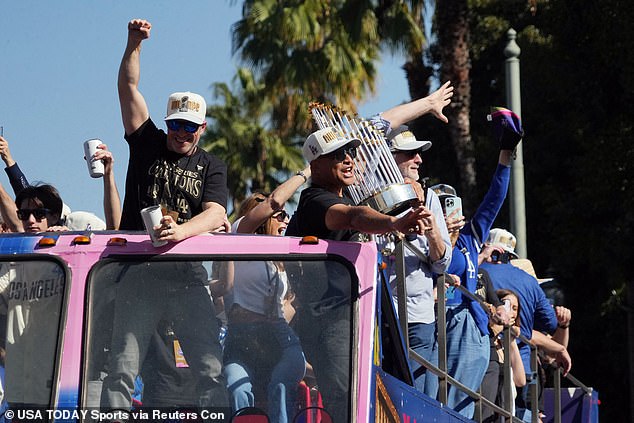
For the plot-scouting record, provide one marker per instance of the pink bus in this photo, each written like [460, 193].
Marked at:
[66, 295]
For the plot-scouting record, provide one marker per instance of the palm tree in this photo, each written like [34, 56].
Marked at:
[452, 23]
[256, 156]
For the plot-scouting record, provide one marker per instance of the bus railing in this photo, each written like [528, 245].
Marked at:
[444, 380]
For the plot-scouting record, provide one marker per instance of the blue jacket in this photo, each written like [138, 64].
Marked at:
[464, 262]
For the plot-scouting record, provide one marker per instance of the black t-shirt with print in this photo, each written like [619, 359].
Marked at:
[157, 175]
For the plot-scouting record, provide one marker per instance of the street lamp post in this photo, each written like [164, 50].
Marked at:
[513, 100]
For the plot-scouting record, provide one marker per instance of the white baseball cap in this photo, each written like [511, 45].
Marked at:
[187, 106]
[83, 221]
[402, 139]
[325, 141]
[504, 239]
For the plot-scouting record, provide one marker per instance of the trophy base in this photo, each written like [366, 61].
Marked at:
[393, 200]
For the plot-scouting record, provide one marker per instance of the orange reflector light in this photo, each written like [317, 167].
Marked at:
[81, 240]
[309, 239]
[117, 241]
[47, 241]
[383, 265]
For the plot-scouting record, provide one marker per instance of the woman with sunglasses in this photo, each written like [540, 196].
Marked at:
[262, 352]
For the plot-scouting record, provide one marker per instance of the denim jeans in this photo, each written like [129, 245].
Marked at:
[523, 400]
[267, 354]
[145, 294]
[468, 353]
[422, 339]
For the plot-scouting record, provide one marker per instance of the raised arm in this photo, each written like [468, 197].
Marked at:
[274, 202]
[111, 199]
[8, 211]
[434, 103]
[17, 179]
[134, 110]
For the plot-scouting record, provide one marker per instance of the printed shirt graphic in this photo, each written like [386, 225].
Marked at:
[32, 294]
[158, 176]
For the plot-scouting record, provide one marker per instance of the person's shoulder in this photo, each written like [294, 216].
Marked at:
[213, 160]
[146, 130]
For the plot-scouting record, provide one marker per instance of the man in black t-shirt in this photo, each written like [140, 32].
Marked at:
[323, 211]
[167, 169]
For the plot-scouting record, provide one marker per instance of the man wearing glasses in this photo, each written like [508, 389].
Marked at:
[435, 245]
[434, 242]
[167, 168]
[325, 212]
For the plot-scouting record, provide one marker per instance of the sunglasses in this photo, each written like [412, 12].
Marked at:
[39, 214]
[176, 125]
[340, 154]
[411, 153]
[280, 216]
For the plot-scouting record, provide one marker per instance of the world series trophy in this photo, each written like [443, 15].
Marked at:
[378, 181]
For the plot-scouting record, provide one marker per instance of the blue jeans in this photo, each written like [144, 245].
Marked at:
[523, 400]
[468, 353]
[422, 339]
[147, 293]
[269, 356]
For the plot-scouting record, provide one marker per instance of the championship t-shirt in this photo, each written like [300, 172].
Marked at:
[157, 175]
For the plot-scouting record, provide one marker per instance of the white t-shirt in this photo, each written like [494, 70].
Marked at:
[259, 286]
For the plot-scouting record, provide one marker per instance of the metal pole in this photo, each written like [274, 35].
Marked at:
[513, 99]
[441, 326]
[401, 289]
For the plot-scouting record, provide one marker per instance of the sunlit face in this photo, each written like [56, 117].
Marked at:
[514, 307]
[278, 222]
[33, 221]
[335, 169]
[408, 163]
[182, 141]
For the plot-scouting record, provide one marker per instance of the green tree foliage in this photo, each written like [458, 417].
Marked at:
[322, 51]
[256, 155]
[576, 79]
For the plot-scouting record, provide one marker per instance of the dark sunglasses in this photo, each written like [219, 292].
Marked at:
[341, 153]
[39, 214]
[412, 153]
[280, 216]
[176, 125]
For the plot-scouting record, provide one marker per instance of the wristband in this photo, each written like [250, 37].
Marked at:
[564, 327]
[302, 174]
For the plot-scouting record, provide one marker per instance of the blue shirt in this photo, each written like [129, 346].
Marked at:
[536, 312]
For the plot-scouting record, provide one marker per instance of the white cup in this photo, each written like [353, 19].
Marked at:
[95, 167]
[151, 217]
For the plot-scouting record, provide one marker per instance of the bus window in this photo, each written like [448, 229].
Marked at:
[275, 336]
[31, 294]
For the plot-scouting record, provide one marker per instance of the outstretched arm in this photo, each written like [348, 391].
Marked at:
[367, 220]
[134, 110]
[434, 103]
[274, 202]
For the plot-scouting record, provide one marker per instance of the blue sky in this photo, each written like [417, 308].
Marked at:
[58, 79]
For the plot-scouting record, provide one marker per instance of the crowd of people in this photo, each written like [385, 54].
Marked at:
[168, 168]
